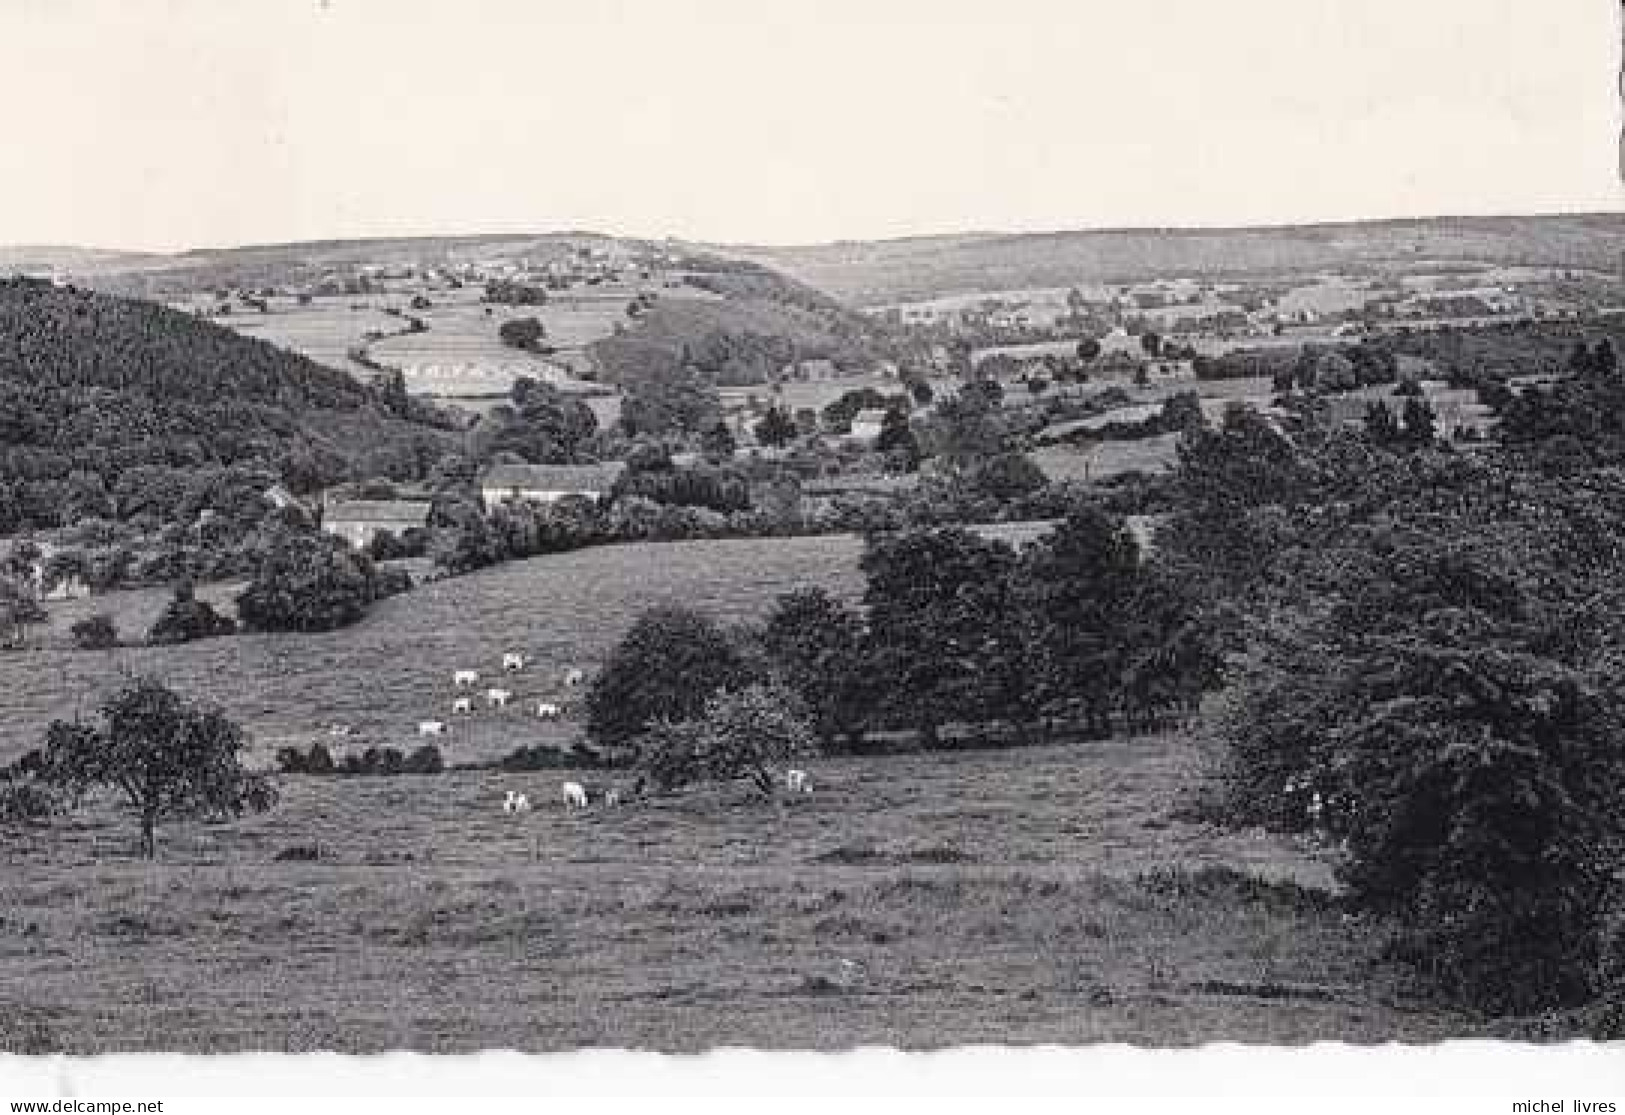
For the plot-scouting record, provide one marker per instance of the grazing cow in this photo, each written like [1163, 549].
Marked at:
[498, 697]
[575, 795]
[512, 662]
[574, 677]
[515, 803]
[340, 730]
[431, 728]
[463, 678]
[548, 711]
[463, 704]
[796, 782]
[612, 796]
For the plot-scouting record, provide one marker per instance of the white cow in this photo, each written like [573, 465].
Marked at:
[612, 796]
[341, 730]
[796, 782]
[463, 704]
[498, 697]
[575, 795]
[512, 662]
[515, 803]
[574, 677]
[462, 678]
[431, 727]
[548, 711]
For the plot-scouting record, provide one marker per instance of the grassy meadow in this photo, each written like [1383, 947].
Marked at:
[1060, 893]
[1043, 895]
[394, 668]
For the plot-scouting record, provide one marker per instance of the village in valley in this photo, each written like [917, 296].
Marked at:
[542, 567]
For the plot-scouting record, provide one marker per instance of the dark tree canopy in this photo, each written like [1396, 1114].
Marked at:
[664, 668]
[307, 581]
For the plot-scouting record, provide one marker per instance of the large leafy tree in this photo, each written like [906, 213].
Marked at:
[1075, 589]
[1440, 690]
[939, 603]
[665, 668]
[307, 581]
[818, 645]
[166, 758]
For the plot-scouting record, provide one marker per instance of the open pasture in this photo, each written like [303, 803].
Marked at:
[919, 901]
[394, 668]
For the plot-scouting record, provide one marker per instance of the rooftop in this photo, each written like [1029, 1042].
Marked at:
[413, 512]
[554, 478]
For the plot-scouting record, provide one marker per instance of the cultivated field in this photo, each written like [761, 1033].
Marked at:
[461, 353]
[920, 901]
[326, 330]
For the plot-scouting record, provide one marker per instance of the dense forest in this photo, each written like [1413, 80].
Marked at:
[97, 392]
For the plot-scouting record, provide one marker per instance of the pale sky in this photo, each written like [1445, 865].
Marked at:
[164, 124]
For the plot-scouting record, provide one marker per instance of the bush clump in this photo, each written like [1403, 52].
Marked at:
[187, 619]
[98, 632]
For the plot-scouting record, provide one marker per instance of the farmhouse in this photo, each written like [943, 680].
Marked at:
[812, 370]
[359, 521]
[822, 494]
[866, 424]
[548, 483]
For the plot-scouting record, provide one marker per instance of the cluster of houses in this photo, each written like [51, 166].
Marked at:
[359, 521]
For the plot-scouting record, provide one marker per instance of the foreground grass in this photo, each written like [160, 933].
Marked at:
[921, 901]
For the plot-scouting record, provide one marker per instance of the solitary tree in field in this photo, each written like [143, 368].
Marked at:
[776, 427]
[166, 757]
[718, 442]
[18, 610]
[522, 332]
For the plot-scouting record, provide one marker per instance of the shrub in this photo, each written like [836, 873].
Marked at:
[98, 632]
[26, 800]
[542, 757]
[318, 760]
[747, 733]
[425, 760]
[188, 618]
[299, 853]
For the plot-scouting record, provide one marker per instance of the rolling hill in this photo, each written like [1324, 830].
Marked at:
[884, 271]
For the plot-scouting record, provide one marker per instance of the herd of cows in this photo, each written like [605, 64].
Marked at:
[496, 697]
[574, 794]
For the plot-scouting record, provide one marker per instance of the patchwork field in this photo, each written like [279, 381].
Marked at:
[326, 330]
[461, 353]
[1045, 895]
